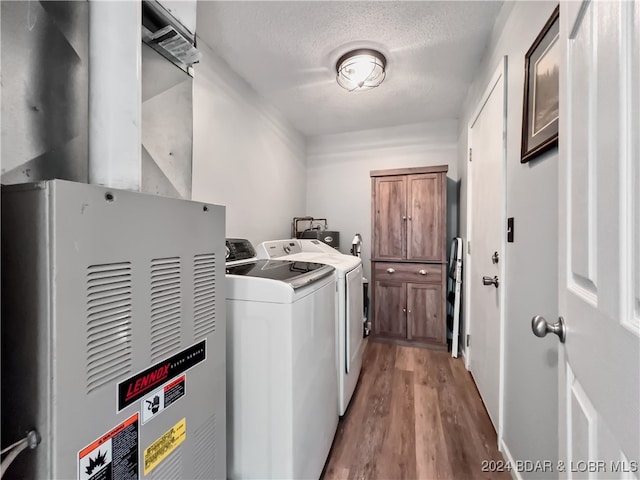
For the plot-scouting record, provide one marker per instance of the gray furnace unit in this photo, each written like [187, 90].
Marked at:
[113, 333]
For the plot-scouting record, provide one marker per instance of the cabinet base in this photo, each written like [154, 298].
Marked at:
[408, 343]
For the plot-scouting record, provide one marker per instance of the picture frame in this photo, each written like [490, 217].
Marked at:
[541, 91]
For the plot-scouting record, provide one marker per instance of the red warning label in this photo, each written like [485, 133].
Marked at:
[112, 456]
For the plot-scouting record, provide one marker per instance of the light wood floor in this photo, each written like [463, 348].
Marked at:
[416, 414]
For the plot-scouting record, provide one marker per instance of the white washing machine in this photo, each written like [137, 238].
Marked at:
[349, 307]
[281, 382]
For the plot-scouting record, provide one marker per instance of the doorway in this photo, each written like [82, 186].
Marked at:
[485, 250]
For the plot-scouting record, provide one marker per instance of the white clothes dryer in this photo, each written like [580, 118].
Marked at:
[281, 383]
[349, 315]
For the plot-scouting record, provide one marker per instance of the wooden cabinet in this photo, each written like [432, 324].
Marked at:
[390, 308]
[426, 217]
[408, 301]
[425, 322]
[409, 254]
[389, 217]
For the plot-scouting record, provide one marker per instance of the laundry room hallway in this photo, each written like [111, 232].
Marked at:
[416, 414]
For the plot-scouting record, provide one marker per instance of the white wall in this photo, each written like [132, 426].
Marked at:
[245, 156]
[531, 394]
[338, 182]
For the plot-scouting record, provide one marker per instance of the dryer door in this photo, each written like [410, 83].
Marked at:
[354, 317]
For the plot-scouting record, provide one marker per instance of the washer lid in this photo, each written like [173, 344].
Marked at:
[295, 273]
[294, 249]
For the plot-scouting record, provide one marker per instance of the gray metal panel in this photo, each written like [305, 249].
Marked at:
[25, 331]
[167, 127]
[133, 229]
[154, 179]
[44, 90]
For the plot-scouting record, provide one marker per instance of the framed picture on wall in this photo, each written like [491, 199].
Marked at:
[541, 91]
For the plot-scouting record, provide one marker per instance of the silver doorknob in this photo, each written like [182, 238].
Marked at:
[491, 281]
[541, 327]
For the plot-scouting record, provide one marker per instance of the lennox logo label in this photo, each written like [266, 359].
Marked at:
[148, 381]
[135, 387]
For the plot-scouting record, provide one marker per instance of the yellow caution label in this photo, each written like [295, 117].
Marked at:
[167, 443]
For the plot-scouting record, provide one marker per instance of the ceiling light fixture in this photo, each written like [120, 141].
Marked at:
[361, 69]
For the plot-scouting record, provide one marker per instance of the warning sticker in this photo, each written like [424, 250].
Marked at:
[157, 401]
[167, 443]
[112, 456]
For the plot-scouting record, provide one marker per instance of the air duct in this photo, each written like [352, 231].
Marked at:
[168, 36]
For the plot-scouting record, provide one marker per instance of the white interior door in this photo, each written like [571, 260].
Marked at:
[486, 139]
[599, 284]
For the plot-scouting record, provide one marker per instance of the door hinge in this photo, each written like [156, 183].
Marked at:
[468, 339]
[470, 153]
[469, 248]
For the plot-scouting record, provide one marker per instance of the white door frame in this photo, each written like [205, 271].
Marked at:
[500, 72]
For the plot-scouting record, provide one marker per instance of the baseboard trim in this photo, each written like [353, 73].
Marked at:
[463, 355]
[509, 458]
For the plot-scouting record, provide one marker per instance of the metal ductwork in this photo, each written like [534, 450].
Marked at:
[168, 36]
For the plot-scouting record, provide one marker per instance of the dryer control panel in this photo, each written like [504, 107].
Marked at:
[239, 249]
[280, 248]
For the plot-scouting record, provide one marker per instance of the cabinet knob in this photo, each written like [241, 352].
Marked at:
[391, 270]
[404, 310]
[409, 311]
[422, 272]
[404, 218]
[409, 217]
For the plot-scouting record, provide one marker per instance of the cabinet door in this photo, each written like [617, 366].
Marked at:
[425, 322]
[390, 319]
[389, 217]
[426, 217]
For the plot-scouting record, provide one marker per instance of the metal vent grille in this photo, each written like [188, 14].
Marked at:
[108, 323]
[170, 467]
[166, 306]
[204, 294]
[205, 449]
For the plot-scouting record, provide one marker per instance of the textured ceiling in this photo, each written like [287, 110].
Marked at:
[287, 52]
